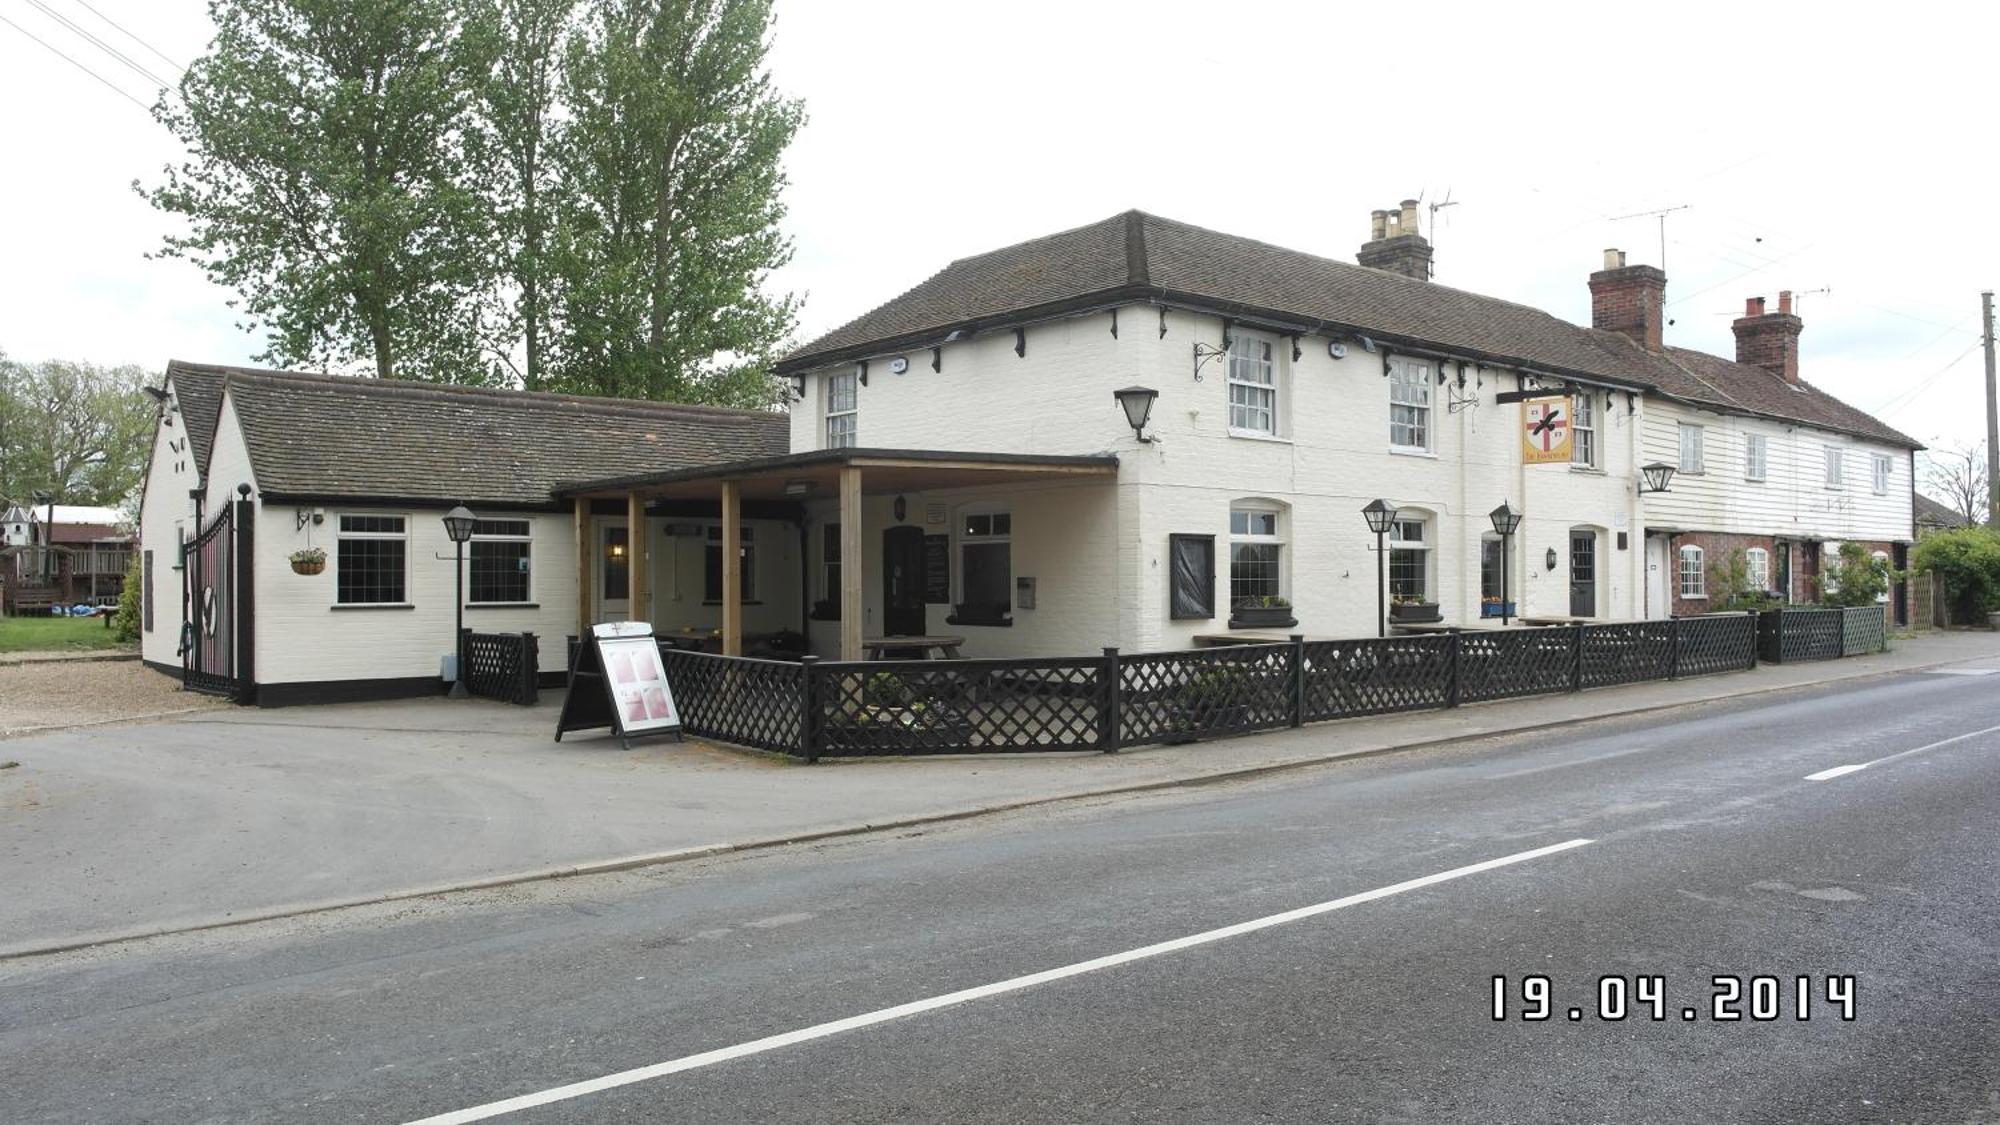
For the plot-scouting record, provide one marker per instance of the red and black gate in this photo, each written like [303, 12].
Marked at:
[216, 601]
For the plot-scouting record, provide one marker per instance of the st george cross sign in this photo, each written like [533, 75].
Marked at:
[1545, 436]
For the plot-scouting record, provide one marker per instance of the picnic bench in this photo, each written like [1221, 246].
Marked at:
[878, 648]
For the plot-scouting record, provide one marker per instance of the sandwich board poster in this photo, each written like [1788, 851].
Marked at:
[1545, 435]
[620, 682]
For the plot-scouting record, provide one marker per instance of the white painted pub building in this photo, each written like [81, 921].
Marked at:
[958, 464]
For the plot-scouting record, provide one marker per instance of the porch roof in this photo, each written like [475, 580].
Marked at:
[816, 473]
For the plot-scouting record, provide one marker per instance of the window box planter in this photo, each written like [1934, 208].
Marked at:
[1415, 613]
[1262, 617]
[826, 609]
[1495, 609]
[981, 613]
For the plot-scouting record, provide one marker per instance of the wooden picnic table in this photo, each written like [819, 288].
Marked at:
[875, 648]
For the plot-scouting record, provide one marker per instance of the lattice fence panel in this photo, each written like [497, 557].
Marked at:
[1203, 693]
[502, 666]
[735, 699]
[1862, 630]
[1723, 643]
[958, 706]
[1790, 635]
[1375, 676]
[1626, 652]
[1502, 664]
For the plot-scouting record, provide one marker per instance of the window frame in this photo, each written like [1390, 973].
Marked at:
[1884, 472]
[1177, 609]
[1269, 387]
[746, 545]
[1699, 461]
[1275, 539]
[1407, 377]
[1422, 547]
[341, 535]
[1834, 460]
[1757, 568]
[1686, 553]
[850, 436]
[1583, 453]
[829, 562]
[965, 537]
[1756, 469]
[526, 538]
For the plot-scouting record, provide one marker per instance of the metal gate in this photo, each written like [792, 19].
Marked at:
[216, 594]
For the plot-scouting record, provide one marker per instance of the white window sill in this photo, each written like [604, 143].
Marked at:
[1591, 469]
[1694, 597]
[343, 606]
[1753, 480]
[1258, 435]
[1411, 451]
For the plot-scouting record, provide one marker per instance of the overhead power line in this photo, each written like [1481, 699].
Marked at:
[132, 37]
[115, 88]
[1916, 391]
[156, 80]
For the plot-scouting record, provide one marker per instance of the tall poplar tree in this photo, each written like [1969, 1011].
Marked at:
[327, 181]
[670, 203]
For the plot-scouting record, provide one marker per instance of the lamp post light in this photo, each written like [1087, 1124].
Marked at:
[1138, 404]
[1658, 476]
[1380, 515]
[1506, 521]
[458, 524]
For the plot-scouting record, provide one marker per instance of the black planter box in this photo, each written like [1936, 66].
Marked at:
[1262, 617]
[1422, 613]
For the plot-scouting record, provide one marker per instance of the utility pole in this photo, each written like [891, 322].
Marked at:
[1992, 419]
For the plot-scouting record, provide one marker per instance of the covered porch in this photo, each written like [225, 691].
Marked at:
[794, 545]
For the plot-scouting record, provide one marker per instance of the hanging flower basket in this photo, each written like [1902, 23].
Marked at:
[312, 560]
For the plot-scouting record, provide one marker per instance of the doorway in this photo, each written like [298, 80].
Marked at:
[903, 581]
[614, 572]
[1657, 602]
[1582, 573]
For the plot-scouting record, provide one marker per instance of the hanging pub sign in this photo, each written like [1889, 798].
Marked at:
[1545, 434]
[619, 682]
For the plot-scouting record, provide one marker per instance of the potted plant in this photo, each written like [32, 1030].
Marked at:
[310, 560]
[1408, 610]
[1216, 698]
[1264, 612]
[891, 716]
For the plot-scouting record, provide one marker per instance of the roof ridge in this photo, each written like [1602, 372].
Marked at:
[376, 385]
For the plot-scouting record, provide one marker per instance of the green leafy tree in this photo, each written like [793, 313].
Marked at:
[79, 431]
[1967, 562]
[327, 181]
[1730, 586]
[1854, 578]
[125, 623]
[670, 203]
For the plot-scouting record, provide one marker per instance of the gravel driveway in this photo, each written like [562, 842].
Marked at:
[63, 693]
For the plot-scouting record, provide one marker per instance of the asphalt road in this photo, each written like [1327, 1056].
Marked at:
[1709, 852]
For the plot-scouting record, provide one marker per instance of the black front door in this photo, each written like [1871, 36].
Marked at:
[1583, 574]
[903, 581]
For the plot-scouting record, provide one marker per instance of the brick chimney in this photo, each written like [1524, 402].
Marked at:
[1770, 340]
[1629, 299]
[1395, 244]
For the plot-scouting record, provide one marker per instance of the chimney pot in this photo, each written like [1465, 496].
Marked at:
[1753, 306]
[1378, 224]
[1614, 259]
[1409, 224]
[1784, 302]
[1397, 246]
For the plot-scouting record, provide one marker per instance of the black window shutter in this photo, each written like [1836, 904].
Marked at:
[1192, 559]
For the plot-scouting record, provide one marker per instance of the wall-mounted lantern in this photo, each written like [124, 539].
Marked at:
[1138, 404]
[1658, 476]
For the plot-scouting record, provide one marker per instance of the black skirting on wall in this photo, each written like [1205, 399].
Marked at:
[351, 691]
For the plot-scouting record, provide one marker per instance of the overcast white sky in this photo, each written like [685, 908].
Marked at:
[1818, 151]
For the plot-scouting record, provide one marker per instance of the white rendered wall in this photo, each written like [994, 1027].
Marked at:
[166, 513]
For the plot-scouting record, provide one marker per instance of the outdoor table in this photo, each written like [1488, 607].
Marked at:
[875, 648]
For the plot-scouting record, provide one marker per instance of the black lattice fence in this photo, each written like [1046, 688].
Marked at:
[1205, 693]
[1626, 652]
[1376, 676]
[1863, 629]
[503, 666]
[1506, 663]
[1786, 636]
[1720, 643]
[956, 706]
[748, 702]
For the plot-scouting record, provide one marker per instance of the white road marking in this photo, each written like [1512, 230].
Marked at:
[1963, 672]
[1015, 984]
[1840, 771]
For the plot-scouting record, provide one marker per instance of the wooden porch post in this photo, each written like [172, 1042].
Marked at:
[586, 565]
[732, 569]
[850, 563]
[636, 554]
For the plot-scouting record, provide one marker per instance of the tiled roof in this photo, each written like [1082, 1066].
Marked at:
[1933, 513]
[335, 436]
[199, 392]
[1135, 256]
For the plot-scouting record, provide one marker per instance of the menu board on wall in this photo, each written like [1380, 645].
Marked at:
[937, 569]
[636, 699]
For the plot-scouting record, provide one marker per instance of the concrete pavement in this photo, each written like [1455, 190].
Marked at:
[243, 814]
[1709, 853]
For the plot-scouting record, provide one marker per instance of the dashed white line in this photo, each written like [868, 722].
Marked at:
[1014, 984]
[1842, 771]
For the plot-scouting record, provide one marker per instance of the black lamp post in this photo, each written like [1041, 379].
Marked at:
[458, 524]
[1380, 515]
[1658, 476]
[1506, 521]
[1138, 404]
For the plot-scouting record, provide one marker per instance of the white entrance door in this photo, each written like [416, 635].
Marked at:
[1657, 603]
[614, 572]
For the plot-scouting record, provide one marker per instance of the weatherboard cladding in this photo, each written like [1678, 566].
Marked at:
[1135, 256]
[335, 436]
